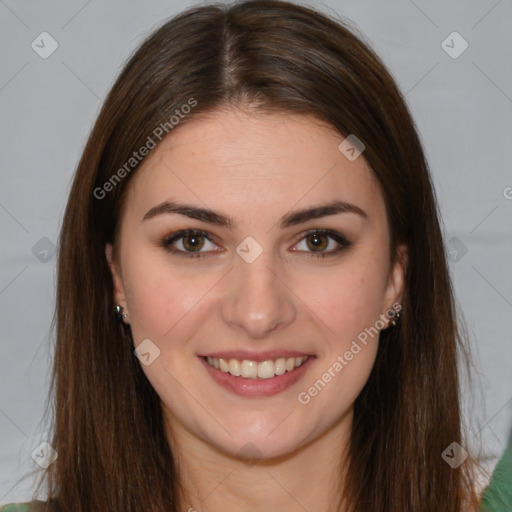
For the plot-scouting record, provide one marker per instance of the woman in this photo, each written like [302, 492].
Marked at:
[254, 216]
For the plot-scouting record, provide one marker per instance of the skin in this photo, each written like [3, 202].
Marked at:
[255, 168]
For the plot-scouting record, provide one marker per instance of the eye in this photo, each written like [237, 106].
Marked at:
[317, 241]
[189, 243]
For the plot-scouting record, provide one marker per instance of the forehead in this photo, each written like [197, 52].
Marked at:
[253, 163]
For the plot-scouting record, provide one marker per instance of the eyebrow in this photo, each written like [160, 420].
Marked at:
[289, 219]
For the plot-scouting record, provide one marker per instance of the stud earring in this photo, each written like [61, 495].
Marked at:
[395, 319]
[118, 311]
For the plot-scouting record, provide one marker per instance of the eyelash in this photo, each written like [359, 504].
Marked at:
[167, 242]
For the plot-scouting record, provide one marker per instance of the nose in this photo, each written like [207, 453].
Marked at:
[258, 300]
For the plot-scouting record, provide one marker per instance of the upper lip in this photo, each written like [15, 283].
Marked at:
[255, 356]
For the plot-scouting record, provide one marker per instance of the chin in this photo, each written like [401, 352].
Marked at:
[263, 440]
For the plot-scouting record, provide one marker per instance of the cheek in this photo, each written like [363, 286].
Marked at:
[349, 300]
[349, 305]
[160, 298]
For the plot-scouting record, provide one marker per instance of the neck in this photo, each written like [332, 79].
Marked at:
[311, 478]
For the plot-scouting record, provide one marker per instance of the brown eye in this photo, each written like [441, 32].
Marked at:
[317, 242]
[322, 243]
[193, 242]
[189, 243]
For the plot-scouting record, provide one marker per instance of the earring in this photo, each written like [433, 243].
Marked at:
[395, 319]
[118, 311]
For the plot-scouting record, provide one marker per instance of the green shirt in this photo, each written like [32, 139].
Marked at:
[33, 506]
[497, 496]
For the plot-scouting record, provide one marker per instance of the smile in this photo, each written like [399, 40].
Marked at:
[256, 375]
[257, 370]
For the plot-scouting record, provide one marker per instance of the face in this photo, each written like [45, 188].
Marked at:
[250, 243]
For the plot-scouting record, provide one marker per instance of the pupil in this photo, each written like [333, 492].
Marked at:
[192, 241]
[317, 241]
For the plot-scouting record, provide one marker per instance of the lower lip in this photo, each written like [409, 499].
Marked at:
[257, 387]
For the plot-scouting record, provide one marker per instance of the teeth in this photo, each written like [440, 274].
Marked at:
[223, 365]
[266, 369]
[280, 366]
[249, 369]
[253, 369]
[235, 368]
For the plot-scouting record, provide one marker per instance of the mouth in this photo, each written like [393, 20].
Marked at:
[260, 375]
[262, 370]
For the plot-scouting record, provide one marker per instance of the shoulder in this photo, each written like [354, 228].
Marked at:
[497, 496]
[33, 506]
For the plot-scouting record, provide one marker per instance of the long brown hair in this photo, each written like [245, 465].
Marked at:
[273, 56]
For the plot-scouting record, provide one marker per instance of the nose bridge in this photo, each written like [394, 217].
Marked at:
[258, 301]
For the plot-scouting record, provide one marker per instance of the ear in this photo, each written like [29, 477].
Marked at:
[119, 293]
[396, 282]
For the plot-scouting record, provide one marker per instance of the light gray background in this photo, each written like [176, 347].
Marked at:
[462, 107]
